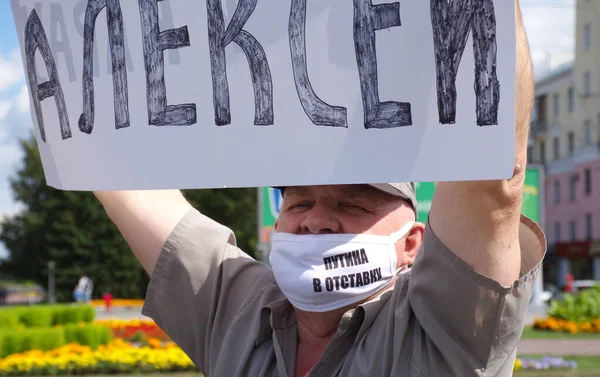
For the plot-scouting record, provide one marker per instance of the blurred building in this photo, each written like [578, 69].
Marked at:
[565, 139]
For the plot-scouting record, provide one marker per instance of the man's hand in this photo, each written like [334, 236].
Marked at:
[479, 221]
[145, 218]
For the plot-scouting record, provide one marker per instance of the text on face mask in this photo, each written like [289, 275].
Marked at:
[359, 279]
[352, 258]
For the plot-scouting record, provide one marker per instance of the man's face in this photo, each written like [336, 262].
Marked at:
[353, 209]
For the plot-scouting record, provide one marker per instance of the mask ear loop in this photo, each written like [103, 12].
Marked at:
[397, 236]
[403, 232]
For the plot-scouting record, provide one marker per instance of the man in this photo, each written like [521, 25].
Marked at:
[339, 299]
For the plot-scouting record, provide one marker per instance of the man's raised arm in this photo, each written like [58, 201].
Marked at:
[479, 221]
[145, 218]
[473, 278]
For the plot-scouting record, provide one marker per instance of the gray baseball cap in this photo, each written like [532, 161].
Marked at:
[404, 190]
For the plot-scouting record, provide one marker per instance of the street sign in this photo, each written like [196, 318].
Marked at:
[425, 192]
[532, 196]
[269, 206]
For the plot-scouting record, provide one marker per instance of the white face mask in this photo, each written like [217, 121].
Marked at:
[324, 272]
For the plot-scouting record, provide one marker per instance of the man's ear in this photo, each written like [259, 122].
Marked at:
[414, 239]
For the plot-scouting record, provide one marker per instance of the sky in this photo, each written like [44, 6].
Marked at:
[549, 24]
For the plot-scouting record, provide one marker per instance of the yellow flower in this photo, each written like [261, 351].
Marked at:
[518, 365]
[112, 356]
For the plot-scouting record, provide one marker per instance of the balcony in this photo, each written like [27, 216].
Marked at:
[587, 153]
[580, 155]
[539, 127]
[561, 166]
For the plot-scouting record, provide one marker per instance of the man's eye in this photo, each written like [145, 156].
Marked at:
[301, 205]
[352, 207]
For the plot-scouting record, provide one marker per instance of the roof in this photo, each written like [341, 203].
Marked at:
[559, 71]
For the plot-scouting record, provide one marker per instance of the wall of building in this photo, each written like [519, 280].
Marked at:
[566, 140]
[565, 211]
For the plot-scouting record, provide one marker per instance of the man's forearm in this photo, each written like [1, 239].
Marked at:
[479, 220]
[525, 94]
[145, 219]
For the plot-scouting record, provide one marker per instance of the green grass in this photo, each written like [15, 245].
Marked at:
[530, 333]
[587, 366]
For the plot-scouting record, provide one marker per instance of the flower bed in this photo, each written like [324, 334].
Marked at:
[116, 357]
[49, 338]
[544, 363]
[561, 325]
[134, 330]
[119, 303]
[573, 313]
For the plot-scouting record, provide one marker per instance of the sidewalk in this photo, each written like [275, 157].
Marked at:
[120, 313]
[559, 347]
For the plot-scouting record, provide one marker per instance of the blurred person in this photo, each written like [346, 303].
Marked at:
[83, 290]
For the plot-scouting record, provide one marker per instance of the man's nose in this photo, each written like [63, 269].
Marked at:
[320, 220]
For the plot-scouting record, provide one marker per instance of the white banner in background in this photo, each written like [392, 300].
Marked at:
[154, 94]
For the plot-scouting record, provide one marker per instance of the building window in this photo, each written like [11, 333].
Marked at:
[543, 152]
[573, 230]
[587, 83]
[530, 154]
[589, 226]
[556, 105]
[571, 99]
[587, 37]
[598, 130]
[556, 191]
[556, 148]
[572, 187]
[571, 143]
[557, 232]
[540, 111]
[587, 132]
[587, 178]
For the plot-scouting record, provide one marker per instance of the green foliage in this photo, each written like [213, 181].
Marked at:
[235, 208]
[138, 337]
[45, 316]
[36, 317]
[73, 314]
[9, 319]
[91, 335]
[45, 339]
[580, 308]
[49, 338]
[73, 230]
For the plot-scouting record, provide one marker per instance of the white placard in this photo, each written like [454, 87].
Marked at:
[147, 94]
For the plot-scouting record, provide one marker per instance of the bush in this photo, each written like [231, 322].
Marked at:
[45, 339]
[45, 315]
[91, 335]
[64, 315]
[36, 317]
[18, 341]
[584, 307]
[9, 319]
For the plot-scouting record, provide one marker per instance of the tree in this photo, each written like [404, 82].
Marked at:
[72, 229]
